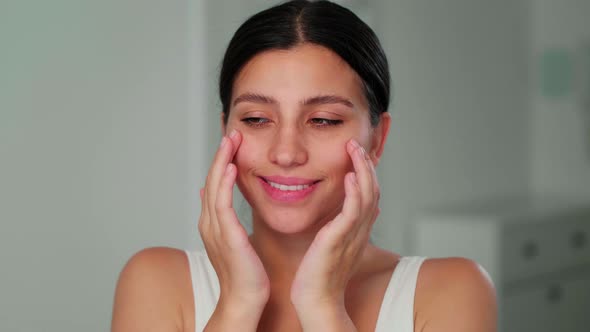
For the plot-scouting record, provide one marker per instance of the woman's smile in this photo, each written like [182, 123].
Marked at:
[288, 189]
[287, 194]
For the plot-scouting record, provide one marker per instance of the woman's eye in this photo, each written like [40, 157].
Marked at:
[255, 122]
[318, 122]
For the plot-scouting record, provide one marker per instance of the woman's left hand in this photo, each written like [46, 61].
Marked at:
[334, 255]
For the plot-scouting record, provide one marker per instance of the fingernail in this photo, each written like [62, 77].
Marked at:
[354, 143]
[233, 133]
[353, 178]
[223, 141]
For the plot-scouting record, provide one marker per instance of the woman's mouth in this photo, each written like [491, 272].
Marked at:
[288, 189]
[283, 187]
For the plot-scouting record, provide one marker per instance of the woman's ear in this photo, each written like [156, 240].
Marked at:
[379, 137]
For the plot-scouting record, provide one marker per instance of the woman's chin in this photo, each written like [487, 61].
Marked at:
[291, 224]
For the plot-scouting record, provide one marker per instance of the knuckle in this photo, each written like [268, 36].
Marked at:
[367, 204]
[357, 215]
[223, 213]
[219, 208]
[356, 191]
[203, 229]
[202, 222]
[354, 214]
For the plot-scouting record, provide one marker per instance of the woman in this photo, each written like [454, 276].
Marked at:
[305, 90]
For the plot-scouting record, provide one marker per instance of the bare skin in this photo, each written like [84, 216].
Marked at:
[473, 308]
[306, 266]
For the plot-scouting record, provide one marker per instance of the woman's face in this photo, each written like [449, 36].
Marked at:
[296, 110]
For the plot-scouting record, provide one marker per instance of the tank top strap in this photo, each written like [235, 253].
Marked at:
[396, 312]
[205, 287]
[397, 309]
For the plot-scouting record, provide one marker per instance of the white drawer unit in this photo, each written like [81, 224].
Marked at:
[537, 252]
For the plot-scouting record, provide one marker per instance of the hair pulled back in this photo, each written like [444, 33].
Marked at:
[322, 23]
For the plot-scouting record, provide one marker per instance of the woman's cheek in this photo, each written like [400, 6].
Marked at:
[239, 156]
[337, 160]
[245, 157]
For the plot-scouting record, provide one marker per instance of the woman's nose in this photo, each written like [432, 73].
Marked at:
[288, 148]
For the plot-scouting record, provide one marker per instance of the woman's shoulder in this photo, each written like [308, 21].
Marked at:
[461, 282]
[156, 280]
[166, 265]
[452, 293]
[452, 275]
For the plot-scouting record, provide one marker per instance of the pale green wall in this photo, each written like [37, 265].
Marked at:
[94, 151]
[460, 106]
[561, 127]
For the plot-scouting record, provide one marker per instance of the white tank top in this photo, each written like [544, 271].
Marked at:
[397, 308]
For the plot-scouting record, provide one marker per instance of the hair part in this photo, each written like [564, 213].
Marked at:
[323, 23]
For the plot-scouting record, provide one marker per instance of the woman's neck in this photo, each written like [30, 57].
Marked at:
[280, 253]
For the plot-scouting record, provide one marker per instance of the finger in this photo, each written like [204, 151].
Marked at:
[212, 183]
[204, 219]
[220, 161]
[375, 179]
[222, 157]
[376, 195]
[233, 233]
[370, 225]
[363, 176]
[225, 153]
[236, 138]
[353, 199]
[204, 209]
[345, 221]
[366, 230]
[224, 204]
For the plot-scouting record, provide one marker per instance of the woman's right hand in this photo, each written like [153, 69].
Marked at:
[244, 284]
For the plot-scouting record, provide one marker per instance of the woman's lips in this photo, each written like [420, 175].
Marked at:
[288, 181]
[288, 196]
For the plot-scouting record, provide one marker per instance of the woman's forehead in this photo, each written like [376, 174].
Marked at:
[298, 73]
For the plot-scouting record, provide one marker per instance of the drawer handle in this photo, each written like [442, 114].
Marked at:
[554, 293]
[578, 239]
[530, 250]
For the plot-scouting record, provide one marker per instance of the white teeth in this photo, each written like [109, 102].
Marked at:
[288, 188]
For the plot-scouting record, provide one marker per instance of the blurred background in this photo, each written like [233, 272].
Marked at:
[109, 117]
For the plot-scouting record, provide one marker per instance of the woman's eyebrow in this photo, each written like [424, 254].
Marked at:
[255, 98]
[317, 100]
[328, 99]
